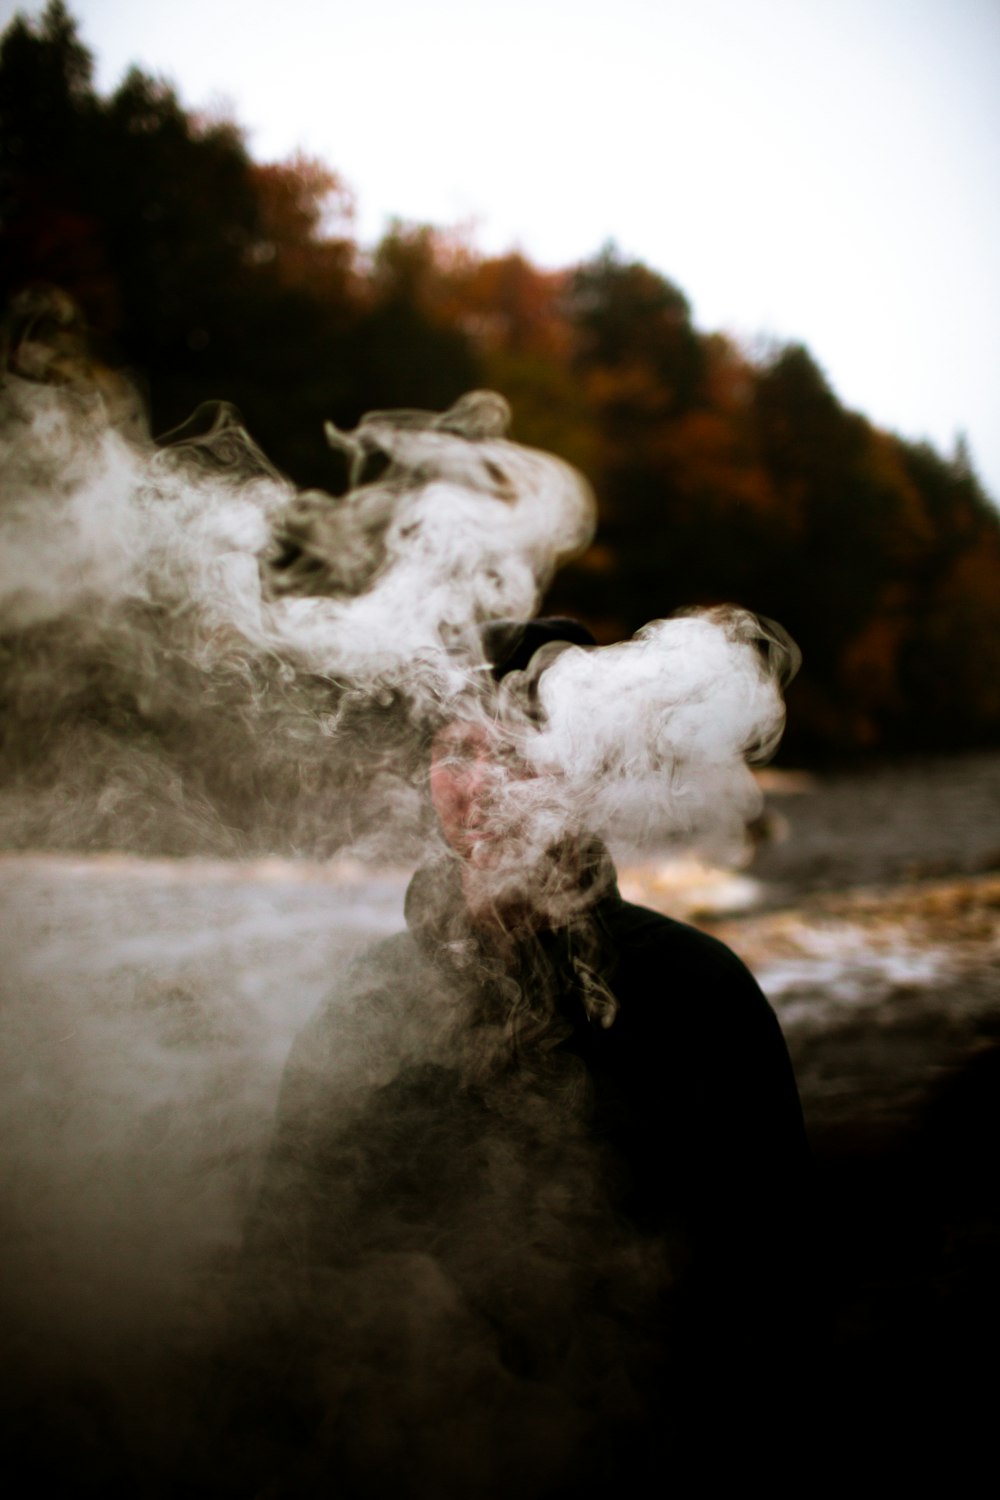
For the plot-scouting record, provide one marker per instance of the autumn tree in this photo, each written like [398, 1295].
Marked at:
[719, 476]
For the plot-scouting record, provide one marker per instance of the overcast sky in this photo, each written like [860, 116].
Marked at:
[824, 170]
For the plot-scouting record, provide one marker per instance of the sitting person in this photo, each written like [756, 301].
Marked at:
[533, 1216]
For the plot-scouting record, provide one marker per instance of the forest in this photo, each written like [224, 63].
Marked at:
[720, 475]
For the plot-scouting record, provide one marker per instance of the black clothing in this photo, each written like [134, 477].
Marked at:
[572, 1245]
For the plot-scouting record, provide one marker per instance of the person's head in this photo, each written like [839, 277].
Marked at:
[463, 780]
[474, 756]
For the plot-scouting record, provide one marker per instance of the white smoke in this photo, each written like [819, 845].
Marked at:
[463, 528]
[645, 744]
[197, 659]
[167, 686]
[652, 738]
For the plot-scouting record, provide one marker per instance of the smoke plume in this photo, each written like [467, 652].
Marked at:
[197, 659]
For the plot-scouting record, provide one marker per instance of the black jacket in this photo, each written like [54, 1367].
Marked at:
[595, 1232]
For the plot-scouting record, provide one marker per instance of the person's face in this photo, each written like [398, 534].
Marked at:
[465, 773]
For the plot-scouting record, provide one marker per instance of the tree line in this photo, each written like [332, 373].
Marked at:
[719, 476]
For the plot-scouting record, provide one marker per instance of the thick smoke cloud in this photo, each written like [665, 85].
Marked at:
[196, 659]
[654, 736]
[169, 687]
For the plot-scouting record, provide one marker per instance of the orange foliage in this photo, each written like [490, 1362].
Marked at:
[305, 213]
[869, 668]
[706, 452]
[912, 532]
[507, 304]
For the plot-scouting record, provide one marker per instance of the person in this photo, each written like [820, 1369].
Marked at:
[535, 1207]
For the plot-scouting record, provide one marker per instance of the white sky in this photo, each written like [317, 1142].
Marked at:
[823, 170]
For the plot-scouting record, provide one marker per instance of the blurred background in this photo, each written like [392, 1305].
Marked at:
[737, 263]
[714, 232]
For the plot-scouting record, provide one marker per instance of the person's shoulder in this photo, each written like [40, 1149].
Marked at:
[676, 983]
[651, 937]
[689, 1003]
